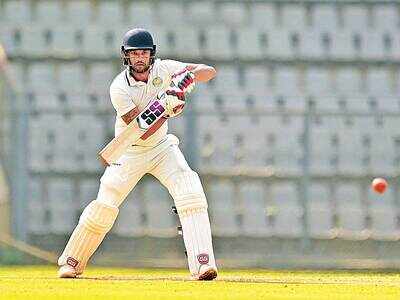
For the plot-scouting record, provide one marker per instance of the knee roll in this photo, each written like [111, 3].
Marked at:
[99, 217]
[187, 191]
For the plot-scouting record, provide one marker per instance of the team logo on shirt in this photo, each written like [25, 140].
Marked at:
[157, 81]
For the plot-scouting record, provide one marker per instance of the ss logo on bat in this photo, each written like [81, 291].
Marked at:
[152, 113]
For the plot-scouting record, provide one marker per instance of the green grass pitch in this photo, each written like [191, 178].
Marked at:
[112, 283]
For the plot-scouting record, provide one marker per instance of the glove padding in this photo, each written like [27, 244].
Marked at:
[183, 84]
[184, 80]
[174, 102]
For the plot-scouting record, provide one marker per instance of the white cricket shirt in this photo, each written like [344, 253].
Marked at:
[126, 93]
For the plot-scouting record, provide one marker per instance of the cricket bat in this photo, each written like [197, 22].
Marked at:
[143, 126]
[149, 120]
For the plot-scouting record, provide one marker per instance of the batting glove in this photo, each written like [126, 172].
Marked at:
[184, 80]
[174, 101]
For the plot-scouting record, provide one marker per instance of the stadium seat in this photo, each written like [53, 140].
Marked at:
[287, 149]
[110, 13]
[165, 10]
[67, 41]
[79, 12]
[255, 37]
[382, 151]
[42, 142]
[88, 190]
[295, 103]
[106, 39]
[202, 13]
[233, 14]
[253, 208]
[379, 81]
[263, 15]
[62, 205]
[320, 212]
[259, 149]
[10, 38]
[279, 46]
[100, 76]
[218, 44]
[392, 45]
[318, 81]
[16, 12]
[207, 149]
[221, 201]
[373, 45]
[384, 216]
[357, 104]
[65, 147]
[158, 203]
[351, 151]
[141, 14]
[203, 98]
[385, 17]
[311, 44]
[49, 12]
[323, 150]
[133, 215]
[286, 209]
[71, 77]
[227, 79]
[88, 137]
[43, 100]
[187, 43]
[388, 104]
[342, 45]
[240, 141]
[36, 41]
[41, 77]
[37, 208]
[256, 79]
[350, 210]
[294, 16]
[18, 73]
[356, 17]
[325, 17]
[177, 126]
[78, 100]
[348, 81]
[329, 104]
[287, 81]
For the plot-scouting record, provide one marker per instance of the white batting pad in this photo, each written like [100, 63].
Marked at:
[197, 238]
[95, 221]
[190, 201]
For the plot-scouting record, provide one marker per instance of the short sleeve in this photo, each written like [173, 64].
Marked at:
[121, 101]
[174, 66]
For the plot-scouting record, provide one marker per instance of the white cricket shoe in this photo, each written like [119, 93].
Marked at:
[67, 271]
[207, 272]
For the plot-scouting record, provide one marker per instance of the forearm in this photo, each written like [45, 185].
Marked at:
[202, 73]
[130, 116]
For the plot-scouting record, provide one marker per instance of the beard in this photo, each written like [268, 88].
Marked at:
[140, 68]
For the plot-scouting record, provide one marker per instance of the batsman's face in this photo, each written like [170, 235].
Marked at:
[140, 60]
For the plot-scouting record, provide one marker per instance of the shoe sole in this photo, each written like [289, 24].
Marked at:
[208, 275]
[67, 276]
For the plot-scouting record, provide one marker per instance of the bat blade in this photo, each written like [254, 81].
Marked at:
[117, 146]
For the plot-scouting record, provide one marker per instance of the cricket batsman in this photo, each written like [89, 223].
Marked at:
[156, 153]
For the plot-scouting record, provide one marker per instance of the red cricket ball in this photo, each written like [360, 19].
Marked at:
[379, 185]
